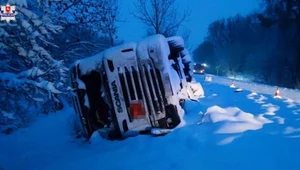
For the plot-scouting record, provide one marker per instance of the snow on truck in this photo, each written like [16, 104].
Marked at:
[133, 88]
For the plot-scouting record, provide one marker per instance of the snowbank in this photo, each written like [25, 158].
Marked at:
[236, 134]
[234, 120]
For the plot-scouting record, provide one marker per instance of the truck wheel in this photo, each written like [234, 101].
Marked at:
[176, 44]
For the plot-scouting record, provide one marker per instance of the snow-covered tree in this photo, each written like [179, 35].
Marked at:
[27, 65]
[89, 27]
[285, 14]
[100, 16]
[35, 47]
[265, 45]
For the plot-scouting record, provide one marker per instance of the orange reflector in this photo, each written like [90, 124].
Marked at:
[137, 110]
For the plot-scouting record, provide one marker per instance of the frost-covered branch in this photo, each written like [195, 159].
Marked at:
[30, 43]
[31, 79]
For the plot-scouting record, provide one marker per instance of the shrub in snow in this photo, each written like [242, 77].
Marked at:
[16, 110]
[29, 89]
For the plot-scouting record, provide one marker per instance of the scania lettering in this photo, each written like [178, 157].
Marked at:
[116, 95]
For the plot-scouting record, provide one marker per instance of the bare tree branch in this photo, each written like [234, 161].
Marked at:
[162, 16]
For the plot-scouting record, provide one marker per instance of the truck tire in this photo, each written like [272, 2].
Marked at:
[176, 45]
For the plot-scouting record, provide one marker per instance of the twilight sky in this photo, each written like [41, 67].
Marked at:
[203, 12]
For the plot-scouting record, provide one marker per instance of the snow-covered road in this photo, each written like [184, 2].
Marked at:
[244, 130]
[255, 87]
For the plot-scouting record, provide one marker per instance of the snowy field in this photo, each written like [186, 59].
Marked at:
[240, 131]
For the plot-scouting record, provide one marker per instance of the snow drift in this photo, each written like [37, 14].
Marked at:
[234, 120]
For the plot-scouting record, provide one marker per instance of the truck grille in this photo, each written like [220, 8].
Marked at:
[143, 83]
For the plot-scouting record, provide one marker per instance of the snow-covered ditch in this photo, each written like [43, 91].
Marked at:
[236, 133]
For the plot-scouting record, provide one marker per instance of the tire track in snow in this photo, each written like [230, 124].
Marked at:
[292, 107]
[259, 88]
[278, 110]
[270, 108]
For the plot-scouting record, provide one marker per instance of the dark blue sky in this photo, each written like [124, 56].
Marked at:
[203, 12]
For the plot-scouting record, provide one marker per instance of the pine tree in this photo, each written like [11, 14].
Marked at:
[29, 68]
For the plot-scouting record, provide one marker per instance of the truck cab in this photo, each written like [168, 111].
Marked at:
[129, 89]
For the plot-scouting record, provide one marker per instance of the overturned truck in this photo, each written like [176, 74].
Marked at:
[132, 88]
